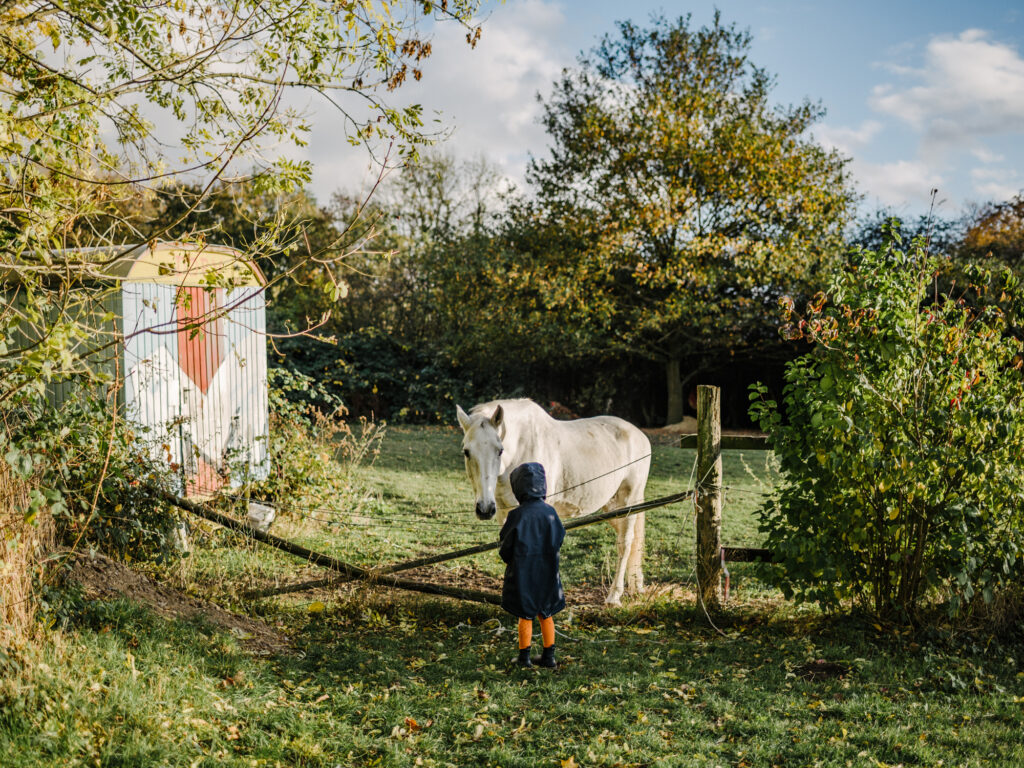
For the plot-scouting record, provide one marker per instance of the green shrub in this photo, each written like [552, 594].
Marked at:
[311, 447]
[380, 376]
[902, 441]
[89, 468]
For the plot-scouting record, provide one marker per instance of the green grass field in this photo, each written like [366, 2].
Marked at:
[420, 474]
[390, 679]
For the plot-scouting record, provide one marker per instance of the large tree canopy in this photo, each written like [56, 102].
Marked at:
[711, 203]
[106, 102]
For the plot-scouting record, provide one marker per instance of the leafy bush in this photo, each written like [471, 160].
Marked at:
[380, 376]
[311, 447]
[89, 468]
[901, 443]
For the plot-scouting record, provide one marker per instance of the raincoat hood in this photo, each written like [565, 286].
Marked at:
[528, 482]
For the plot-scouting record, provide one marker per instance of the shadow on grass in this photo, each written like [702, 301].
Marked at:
[391, 679]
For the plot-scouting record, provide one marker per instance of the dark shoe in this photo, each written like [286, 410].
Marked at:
[524, 658]
[547, 658]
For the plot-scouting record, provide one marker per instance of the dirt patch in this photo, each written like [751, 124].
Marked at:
[688, 426]
[820, 669]
[103, 579]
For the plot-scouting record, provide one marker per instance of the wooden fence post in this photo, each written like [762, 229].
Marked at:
[708, 493]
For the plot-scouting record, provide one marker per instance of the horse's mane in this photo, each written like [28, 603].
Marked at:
[512, 407]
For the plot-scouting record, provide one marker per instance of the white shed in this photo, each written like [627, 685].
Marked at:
[192, 320]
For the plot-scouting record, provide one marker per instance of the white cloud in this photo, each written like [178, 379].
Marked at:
[987, 156]
[848, 140]
[970, 87]
[995, 183]
[897, 184]
[893, 184]
[486, 95]
[941, 116]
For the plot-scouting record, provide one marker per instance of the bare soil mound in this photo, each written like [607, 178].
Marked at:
[103, 579]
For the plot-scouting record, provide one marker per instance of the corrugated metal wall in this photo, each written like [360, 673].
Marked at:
[152, 390]
[247, 343]
[200, 392]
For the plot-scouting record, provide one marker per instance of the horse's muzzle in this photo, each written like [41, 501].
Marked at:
[485, 511]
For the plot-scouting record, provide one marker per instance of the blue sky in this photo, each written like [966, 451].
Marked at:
[919, 95]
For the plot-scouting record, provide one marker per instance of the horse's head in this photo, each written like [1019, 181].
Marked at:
[481, 446]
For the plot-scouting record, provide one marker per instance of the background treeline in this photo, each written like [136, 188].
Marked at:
[652, 245]
[455, 291]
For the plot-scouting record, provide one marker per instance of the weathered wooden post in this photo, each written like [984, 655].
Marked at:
[708, 494]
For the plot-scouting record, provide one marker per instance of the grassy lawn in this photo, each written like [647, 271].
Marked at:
[419, 472]
[393, 679]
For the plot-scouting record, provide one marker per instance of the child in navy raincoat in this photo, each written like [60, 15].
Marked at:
[530, 541]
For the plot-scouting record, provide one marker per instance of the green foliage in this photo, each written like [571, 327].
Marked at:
[312, 449]
[995, 234]
[381, 376]
[901, 442]
[88, 466]
[706, 202]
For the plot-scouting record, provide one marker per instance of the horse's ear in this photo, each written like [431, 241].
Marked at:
[463, 417]
[497, 417]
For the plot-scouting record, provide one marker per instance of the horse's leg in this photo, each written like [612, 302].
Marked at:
[623, 543]
[634, 569]
[627, 495]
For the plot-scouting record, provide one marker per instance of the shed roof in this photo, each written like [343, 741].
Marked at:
[185, 264]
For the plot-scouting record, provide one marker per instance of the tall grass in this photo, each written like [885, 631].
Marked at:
[22, 545]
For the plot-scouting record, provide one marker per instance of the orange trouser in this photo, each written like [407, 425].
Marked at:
[547, 632]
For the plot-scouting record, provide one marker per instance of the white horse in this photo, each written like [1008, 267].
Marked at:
[591, 464]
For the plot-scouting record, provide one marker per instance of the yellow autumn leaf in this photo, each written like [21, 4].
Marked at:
[316, 607]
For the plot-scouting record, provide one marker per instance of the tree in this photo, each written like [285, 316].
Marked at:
[422, 214]
[995, 234]
[709, 202]
[109, 102]
[111, 110]
[873, 231]
[393, 339]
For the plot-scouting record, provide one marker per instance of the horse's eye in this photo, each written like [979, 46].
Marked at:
[465, 452]
[501, 451]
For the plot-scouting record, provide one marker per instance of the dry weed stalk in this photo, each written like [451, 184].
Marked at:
[22, 546]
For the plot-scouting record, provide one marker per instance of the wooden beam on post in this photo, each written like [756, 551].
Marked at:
[708, 494]
[318, 558]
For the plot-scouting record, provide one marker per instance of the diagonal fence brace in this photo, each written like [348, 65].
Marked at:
[347, 570]
[406, 565]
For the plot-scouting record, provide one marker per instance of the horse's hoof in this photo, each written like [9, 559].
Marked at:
[613, 601]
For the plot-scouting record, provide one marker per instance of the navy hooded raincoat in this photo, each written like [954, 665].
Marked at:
[530, 540]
